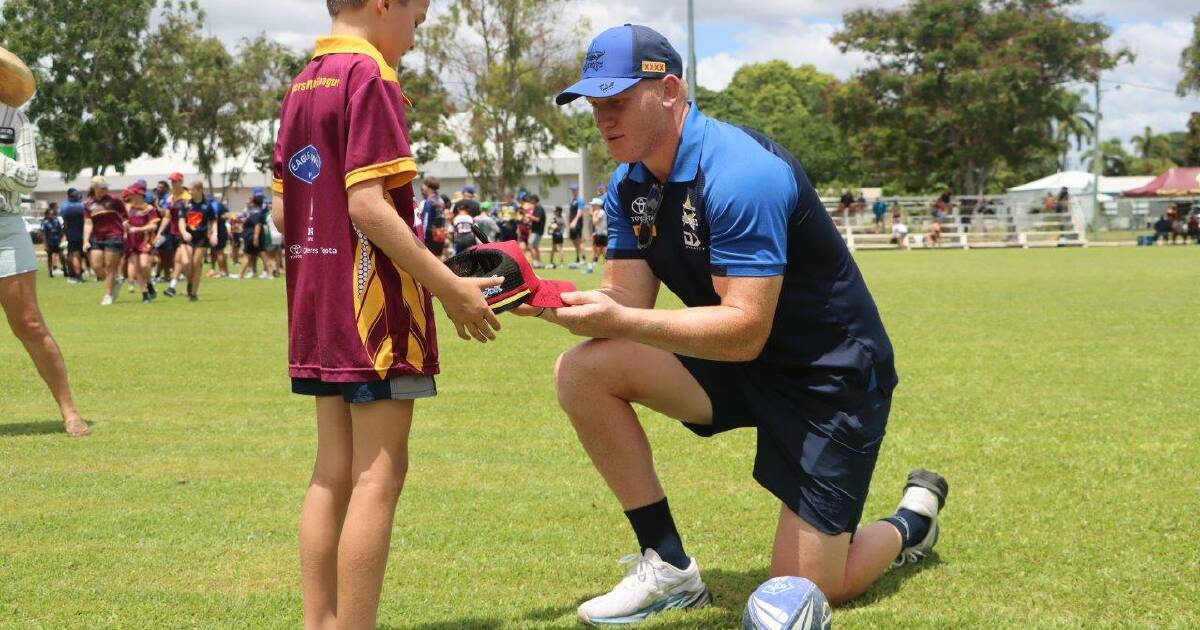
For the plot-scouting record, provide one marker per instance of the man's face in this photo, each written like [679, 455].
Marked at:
[400, 28]
[632, 122]
[198, 192]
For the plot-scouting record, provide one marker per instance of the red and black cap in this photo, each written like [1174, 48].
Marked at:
[520, 286]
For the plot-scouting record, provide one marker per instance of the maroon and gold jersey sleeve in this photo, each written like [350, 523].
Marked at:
[376, 142]
[277, 169]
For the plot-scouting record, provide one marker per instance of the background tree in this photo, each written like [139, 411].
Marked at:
[789, 104]
[1191, 142]
[506, 59]
[1076, 124]
[1117, 161]
[958, 89]
[269, 67]
[89, 59]
[1189, 62]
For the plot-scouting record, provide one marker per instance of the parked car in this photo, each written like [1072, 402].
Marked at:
[34, 227]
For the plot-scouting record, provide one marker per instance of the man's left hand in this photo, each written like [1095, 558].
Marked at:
[590, 314]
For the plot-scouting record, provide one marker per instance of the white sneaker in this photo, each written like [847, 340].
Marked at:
[924, 493]
[117, 288]
[107, 300]
[573, 265]
[648, 588]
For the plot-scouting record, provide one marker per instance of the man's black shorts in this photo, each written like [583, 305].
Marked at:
[818, 433]
[74, 245]
[576, 233]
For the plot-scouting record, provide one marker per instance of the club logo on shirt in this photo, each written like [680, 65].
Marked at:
[691, 239]
[305, 164]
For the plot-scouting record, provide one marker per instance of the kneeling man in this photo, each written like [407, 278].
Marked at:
[780, 334]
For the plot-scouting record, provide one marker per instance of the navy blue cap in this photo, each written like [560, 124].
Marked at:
[620, 57]
[257, 192]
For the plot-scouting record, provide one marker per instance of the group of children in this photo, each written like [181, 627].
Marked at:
[456, 220]
[160, 235]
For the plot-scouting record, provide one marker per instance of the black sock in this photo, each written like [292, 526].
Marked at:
[913, 527]
[655, 529]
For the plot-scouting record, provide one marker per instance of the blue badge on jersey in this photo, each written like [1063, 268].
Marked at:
[305, 164]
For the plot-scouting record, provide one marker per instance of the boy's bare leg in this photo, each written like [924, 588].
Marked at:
[380, 463]
[324, 512]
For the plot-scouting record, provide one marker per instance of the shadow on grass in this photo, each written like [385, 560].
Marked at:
[44, 427]
[730, 590]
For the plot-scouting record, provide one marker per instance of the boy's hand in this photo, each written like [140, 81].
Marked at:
[465, 306]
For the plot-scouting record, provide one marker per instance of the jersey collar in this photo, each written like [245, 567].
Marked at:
[332, 44]
[687, 156]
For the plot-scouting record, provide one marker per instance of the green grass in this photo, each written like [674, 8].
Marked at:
[1056, 389]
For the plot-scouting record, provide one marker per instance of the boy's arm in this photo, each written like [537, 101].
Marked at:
[462, 298]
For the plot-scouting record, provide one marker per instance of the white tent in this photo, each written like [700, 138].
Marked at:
[1023, 198]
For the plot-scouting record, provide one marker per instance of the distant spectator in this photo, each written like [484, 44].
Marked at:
[556, 236]
[1162, 229]
[599, 233]
[1193, 226]
[537, 227]
[899, 231]
[1049, 203]
[52, 233]
[1178, 225]
[846, 203]
[432, 220]
[934, 237]
[942, 206]
[879, 209]
[72, 220]
[464, 236]
[486, 223]
[1062, 204]
[575, 221]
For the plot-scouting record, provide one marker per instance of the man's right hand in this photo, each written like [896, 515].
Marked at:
[465, 306]
[187, 238]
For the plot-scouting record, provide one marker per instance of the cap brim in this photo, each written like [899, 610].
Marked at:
[596, 87]
[549, 293]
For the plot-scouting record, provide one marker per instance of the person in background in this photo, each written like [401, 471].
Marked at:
[219, 262]
[252, 237]
[236, 221]
[524, 222]
[178, 199]
[18, 264]
[72, 220]
[507, 219]
[52, 233]
[1062, 203]
[433, 218]
[104, 231]
[485, 223]
[575, 211]
[556, 237]
[934, 237]
[846, 202]
[899, 231]
[199, 227]
[141, 226]
[599, 233]
[272, 246]
[537, 228]
[1193, 226]
[464, 236]
[1049, 203]
[879, 209]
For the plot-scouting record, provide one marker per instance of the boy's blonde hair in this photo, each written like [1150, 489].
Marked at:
[335, 6]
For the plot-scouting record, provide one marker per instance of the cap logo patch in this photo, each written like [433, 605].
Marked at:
[654, 66]
[305, 164]
[606, 86]
[594, 61]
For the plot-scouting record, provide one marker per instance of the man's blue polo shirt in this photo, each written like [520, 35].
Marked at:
[737, 204]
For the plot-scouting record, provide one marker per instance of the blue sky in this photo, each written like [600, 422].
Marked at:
[732, 33]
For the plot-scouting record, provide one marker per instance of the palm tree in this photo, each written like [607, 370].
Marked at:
[1076, 123]
[1152, 146]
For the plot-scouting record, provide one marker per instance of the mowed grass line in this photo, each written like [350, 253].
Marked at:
[1055, 389]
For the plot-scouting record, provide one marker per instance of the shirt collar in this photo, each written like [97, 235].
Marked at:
[687, 156]
[331, 44]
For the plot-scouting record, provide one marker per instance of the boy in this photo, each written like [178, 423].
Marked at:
[464, 237]
[556, 237]
[361, 334]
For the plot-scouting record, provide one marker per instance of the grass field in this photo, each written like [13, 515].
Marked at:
[1057, 390]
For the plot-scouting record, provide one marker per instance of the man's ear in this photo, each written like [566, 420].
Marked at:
[672, 90]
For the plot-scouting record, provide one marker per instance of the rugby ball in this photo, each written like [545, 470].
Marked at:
[787, 603]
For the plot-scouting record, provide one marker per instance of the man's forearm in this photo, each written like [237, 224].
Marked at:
[716, 333]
